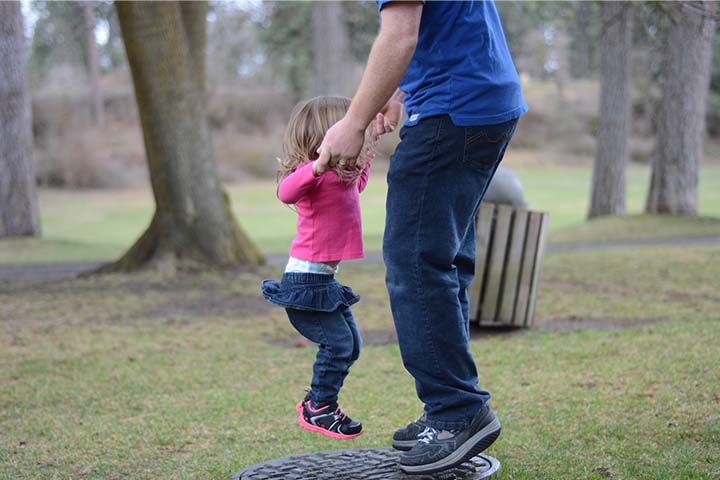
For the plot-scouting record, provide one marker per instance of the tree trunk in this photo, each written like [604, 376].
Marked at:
[608, 184]
[331, 49]
[193, 222]
[93, 64]
[18, 199]
[681, 117]
[194, 15]
[582, 45]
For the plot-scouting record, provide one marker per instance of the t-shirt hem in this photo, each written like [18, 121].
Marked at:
[472, 120]
[328, 257]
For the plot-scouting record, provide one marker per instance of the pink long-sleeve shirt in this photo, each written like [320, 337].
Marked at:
[329, 225]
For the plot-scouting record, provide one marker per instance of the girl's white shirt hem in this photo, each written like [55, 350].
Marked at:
[298, 265]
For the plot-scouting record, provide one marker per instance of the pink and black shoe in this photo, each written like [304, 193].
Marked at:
[327, 420]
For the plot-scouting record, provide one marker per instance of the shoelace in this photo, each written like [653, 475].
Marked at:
[339, 415]
[427, 435]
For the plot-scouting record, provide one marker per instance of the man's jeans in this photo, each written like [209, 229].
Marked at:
[437, 178]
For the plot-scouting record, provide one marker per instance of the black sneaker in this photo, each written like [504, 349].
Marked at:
[328, 420]
[406, 438]
[438, 450]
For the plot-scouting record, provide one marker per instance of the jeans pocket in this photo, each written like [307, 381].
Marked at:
[485, 145]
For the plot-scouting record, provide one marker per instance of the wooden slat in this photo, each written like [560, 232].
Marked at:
[513, 261]
[528, 264]
[537, 270]
[483, 227]
[491, 291]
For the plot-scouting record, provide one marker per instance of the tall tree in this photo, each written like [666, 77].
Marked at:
[18, 199]
[584, 30]
[292, 34]
[193, 221]
[93, 64]
[288, 43]
[608, 184]
[331, 50]
[685, 79]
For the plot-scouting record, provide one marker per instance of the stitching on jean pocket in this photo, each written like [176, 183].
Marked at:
[470, 140]
[491, 140]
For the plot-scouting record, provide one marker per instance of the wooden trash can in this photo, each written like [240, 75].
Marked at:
[508, 265]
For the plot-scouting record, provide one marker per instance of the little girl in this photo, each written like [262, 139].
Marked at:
[327, 200]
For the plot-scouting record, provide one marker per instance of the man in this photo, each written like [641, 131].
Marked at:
[463, 98]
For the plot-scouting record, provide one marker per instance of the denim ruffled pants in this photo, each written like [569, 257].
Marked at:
[318, 306]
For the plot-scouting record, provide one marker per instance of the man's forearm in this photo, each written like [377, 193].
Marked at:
[387, 63]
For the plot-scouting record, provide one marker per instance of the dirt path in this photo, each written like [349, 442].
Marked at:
[57, 271]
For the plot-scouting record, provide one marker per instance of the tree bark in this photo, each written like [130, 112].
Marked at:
[582, 45]
[18, 198]
[194, 15]
[331, 49]
[93, 63]
[681, 117]
[193, 222]
[608, 184]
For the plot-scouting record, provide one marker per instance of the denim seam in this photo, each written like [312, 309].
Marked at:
[323, 371]
[416, 263]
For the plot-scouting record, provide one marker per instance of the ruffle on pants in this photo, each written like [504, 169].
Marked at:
[308, 291]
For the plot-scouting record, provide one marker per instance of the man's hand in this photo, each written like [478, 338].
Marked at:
[341, 145]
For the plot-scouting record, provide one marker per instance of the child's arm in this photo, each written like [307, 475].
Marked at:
[363, 179]
[298, 184]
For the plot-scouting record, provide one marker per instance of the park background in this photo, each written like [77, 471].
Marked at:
[187, 372]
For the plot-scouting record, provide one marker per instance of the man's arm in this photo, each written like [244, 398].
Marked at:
[389, 58]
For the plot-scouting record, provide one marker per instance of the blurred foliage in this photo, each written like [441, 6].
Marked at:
[233, 46]
[59, 38]
[363, 23]
[530, 27]
[286, 34]
[260, 61]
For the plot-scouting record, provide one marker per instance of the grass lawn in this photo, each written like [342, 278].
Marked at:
[195, 377]
[100, 225]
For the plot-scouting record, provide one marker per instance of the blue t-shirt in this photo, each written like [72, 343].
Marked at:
[461, 66]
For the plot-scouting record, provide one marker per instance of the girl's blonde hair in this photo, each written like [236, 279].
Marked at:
[309, 121]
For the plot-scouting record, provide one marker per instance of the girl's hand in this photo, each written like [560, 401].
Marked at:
[389, 116]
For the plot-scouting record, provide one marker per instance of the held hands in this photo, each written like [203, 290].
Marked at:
[340, 146]
[343, 142]
[320, 168]
[366, 156]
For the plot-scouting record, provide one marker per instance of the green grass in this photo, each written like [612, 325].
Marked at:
[100, 225]
[636, 227]
[195, 377]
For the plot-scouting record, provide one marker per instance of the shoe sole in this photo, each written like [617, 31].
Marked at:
[472, 446]
[404, 445]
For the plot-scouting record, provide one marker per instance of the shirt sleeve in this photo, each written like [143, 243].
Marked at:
[363, 179]
[382, 3]
[298, 184]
